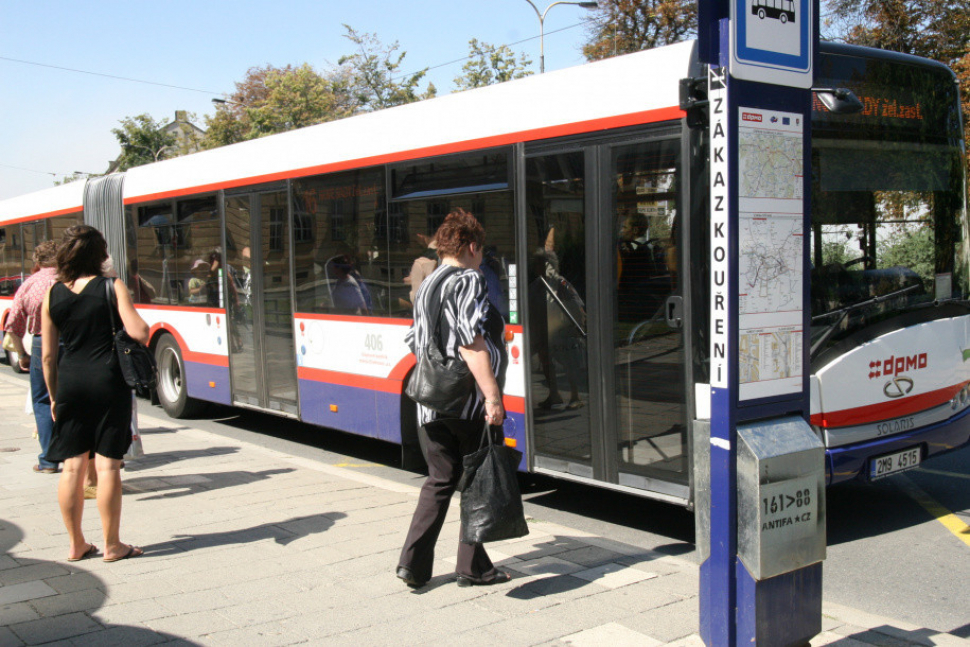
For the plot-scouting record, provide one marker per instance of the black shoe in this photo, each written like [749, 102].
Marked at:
[404, 573]
[495, 577]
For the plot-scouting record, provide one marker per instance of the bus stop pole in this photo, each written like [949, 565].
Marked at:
[760, 488]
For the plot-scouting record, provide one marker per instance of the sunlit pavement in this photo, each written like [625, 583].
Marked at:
[249, 546]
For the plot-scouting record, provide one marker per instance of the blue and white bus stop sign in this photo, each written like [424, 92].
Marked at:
[772, 41]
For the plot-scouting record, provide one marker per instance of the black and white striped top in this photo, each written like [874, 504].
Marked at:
[465, 313]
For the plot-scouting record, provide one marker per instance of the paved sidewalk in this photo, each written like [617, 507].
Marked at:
[249, 546]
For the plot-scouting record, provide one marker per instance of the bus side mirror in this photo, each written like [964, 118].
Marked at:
[840, 101]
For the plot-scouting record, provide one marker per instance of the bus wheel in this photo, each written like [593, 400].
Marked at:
[761, 14]
[784, 19]
[172, 389]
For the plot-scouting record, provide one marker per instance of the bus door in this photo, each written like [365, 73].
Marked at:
[607, 383]
[259, 301]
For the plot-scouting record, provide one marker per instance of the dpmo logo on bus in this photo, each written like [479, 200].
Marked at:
[896, 365]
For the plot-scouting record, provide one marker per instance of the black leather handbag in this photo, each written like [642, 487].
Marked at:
[136, 361]
[491, 502]
[439, 382]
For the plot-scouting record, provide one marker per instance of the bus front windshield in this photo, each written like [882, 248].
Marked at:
[888, 207]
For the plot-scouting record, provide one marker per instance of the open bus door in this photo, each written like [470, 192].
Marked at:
[608, 387]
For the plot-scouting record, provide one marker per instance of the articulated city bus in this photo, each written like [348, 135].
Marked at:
[278, 274]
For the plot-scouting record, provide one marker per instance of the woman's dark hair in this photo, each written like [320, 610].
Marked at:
[82, 252]
[457, 232]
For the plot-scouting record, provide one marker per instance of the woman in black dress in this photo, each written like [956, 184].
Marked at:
[471, 329]
[90, 403]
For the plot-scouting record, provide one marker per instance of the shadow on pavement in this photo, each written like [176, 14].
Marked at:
[185, 485]
[152, 460]
[282, 532]
[35, 611]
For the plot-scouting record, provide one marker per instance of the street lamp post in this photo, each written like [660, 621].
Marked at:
[542, 28]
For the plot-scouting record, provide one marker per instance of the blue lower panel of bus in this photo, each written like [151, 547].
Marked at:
[358, 411]
[851, 462]
[208, 382]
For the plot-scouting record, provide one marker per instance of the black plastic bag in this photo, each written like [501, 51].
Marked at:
[491, 503]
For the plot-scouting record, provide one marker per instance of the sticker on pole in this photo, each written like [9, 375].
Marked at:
[772, 41]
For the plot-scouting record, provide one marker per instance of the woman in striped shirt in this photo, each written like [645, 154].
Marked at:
[473, 330]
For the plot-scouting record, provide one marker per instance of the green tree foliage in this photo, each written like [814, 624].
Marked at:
[273, 100]
[489, 64]
[373, 74]
[143, 141]
[914, 249]
[624, 26]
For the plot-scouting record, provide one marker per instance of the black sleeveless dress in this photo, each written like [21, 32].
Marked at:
[93, 403]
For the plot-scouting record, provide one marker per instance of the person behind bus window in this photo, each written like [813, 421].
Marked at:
[349, 292]
[423, 265]
[197, 284]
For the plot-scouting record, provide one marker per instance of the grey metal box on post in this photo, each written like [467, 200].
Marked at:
[781, 497]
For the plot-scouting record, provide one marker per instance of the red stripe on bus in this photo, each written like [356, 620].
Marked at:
[382, 384]
[353, 318]
[156, 306]
[513, 403]
[400, 371]
[189, 355]
[886, 410]
[604, 123]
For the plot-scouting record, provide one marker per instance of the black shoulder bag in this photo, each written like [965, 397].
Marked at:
[439, 382]
[136, 361]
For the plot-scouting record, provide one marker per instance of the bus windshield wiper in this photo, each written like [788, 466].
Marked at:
[844, 312]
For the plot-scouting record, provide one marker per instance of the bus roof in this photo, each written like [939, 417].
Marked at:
[637, 88]
[66, 198]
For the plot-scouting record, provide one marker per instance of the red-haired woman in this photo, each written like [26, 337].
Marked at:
[473, 330]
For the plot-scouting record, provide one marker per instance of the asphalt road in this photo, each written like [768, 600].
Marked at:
[898, 548]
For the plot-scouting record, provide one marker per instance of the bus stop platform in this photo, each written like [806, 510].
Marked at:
[246, 545]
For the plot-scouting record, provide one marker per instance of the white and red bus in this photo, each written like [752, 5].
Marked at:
[276, 274]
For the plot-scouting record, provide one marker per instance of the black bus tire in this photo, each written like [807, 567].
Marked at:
[172, 390]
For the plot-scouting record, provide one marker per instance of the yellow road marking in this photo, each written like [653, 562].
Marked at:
[942, 473]
[949, 520]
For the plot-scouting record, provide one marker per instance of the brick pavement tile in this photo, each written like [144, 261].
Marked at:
[589, 556]
[258, 612]
[548, 624]
[693, 640]
[667, 623]
[611, 633]
[131, 612]
[6, 561]
[613, 575]
[191, 625]
[125, 592]
[86, 600]
[270, 634]
[545, 566]
[24, 591]
[829, 638]
[258, 589]
[75, 581]
[16, 612]
[8, 639]
[45, 630]
[133, 636]
[191, 602]
[31, 573]
[410, 630]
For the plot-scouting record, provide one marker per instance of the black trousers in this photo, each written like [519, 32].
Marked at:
[443, 443]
